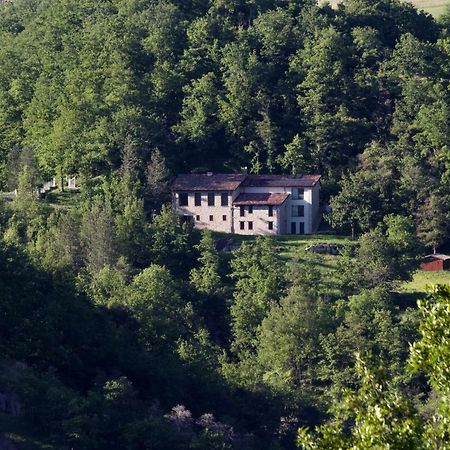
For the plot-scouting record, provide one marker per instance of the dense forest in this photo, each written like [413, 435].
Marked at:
[122, 328]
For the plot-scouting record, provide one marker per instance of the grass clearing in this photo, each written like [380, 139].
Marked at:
[423, 279]
[66, 199]
[434, 7]
[417, 289]
[289, 245]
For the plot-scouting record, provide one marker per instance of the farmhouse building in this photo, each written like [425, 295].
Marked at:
[435, 263]
[249, 204]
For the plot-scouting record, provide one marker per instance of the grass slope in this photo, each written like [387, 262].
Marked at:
[423, 280]
[435, 7]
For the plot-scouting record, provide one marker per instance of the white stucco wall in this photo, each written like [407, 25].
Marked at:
[287, 218]
[315, 207]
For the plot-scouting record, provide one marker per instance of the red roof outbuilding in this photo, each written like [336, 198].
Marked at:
[435, 263]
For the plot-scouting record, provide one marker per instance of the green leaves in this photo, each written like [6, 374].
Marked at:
[259, 285]
[205, 279]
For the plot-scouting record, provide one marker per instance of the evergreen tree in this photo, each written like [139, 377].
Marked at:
[259, 285]
[206, 279]
[432, 226]
[157, 188]
[98, 236]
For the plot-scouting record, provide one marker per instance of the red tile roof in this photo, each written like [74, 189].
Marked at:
[260, 199]
[230, 182]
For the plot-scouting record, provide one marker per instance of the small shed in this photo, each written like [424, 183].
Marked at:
[435, 263]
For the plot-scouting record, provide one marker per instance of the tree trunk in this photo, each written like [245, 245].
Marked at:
[61, 180]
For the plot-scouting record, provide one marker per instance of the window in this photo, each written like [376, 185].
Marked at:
[241, 225]
[211, 218]
[242, 211]
[250, 209]
[224, 199]
[298, 193]
[197, 218]
[270, 225]
[302, 228]
[250, 225]
[183, 199]
[270, 211]
[224, 218]
[211, 199]
[298, 211]
[198, 199]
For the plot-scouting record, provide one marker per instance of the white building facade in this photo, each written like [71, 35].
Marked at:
[249, 204]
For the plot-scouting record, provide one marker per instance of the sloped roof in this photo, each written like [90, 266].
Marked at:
[203, 182]
[260, 199]
[439, 256]
[303, 181]
[230, 182]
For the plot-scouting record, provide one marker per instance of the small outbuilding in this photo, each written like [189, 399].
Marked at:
[435, 263]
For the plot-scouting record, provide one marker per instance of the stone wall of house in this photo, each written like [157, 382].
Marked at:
[202, 215]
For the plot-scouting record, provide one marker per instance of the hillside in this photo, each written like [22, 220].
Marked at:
[122, 326]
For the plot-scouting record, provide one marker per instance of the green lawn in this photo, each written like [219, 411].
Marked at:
[435, 7]
[66, 199]
[423, 279]
[289, 245]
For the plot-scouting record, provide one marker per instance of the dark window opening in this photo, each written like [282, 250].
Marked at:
[211, 218]
[270, 225]
[293, 228]
[241, 225]
[302, 228]
[250, 209]
[242, 211]
[198, 199]
[298, 211]
[298, 193]
[211, 198]
[224, 199]
[271, 211]
[250, 225]
[224, 218]
[183, 199]
[197, 218]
